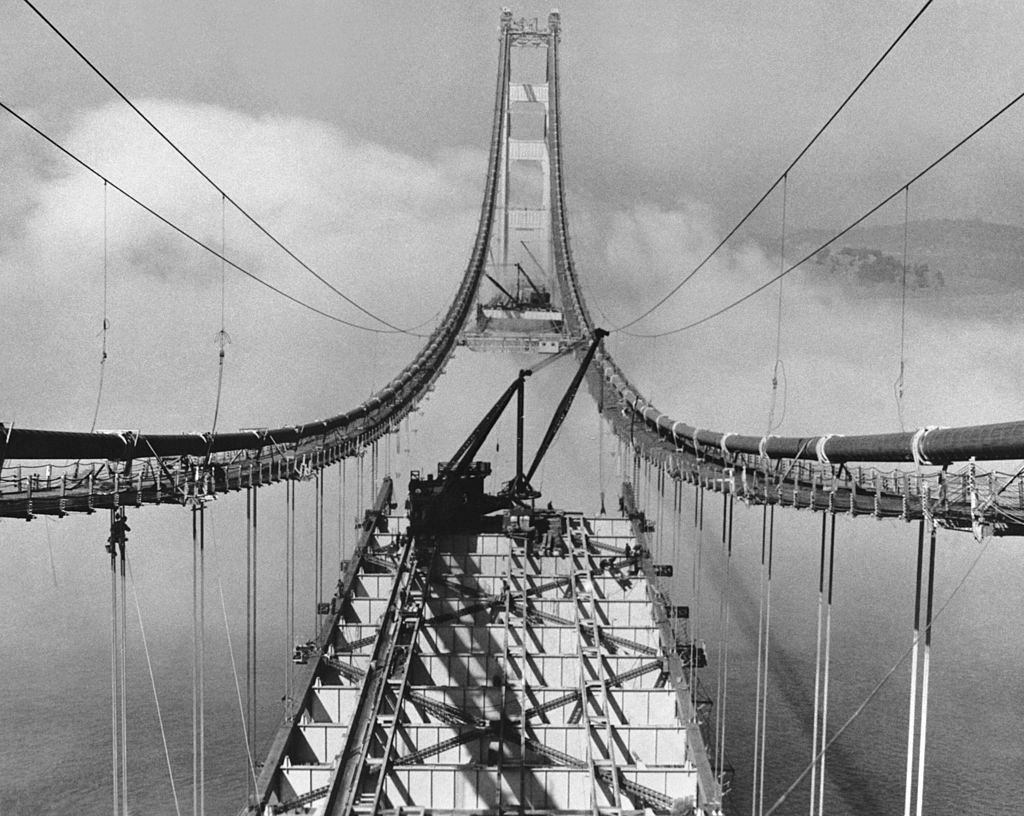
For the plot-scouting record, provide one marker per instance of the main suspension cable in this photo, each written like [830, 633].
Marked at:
[210, 181]
[181, 231]
[785, 173]
[855, 223]
[897, 386]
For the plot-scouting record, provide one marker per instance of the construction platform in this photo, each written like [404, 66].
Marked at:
[533, 668]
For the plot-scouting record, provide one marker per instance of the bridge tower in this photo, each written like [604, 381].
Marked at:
[519, 301]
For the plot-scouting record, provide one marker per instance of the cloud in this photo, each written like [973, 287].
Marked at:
[391, 231]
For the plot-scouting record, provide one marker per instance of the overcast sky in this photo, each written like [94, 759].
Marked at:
[358, 133]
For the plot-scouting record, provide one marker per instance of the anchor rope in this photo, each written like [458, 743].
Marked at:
[156, 697]
[231, 654]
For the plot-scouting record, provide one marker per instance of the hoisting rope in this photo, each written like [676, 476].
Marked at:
[881, 683]
[817, 664]
[772, 424]
[897, 386]
[222, 336]
[106, 323]
[156, 697]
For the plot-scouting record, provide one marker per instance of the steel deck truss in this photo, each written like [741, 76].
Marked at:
[504, 677]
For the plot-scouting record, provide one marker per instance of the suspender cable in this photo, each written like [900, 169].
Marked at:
[817, 665]
[721, 639]
[252, 220]
[124, 683]
[222, 335]
[785, 173]
[342, 510]
[767, 641]
[112, 549]
[318, 563]
[772, 424]
[927, 657]
[106, 323]
[697, 568]
[897, 386]
[202, 660]
[600, 447]
[825, 671]
[195, 660]
[880, 684]
[725, 628]
[912, 714]
[247, 716]
[288, 622]
[760, 665]
[254, 716]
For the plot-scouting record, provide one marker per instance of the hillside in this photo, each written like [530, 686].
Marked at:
[964, 258]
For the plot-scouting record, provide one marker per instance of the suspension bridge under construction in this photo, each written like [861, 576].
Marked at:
[482, 651]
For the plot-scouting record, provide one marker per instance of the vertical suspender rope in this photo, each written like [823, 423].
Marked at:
[106, 323]
[289, 644]
[767, 641]
[291, 589]
[195, 660]
[760, 657]
[124, 683]
[721, 639]
[725, 628]
[222, 335]
[254, 717]
[247, 717]
[700, 581]
[927, 657]
[202, 660]
[359, 483]
[825, 675]
[912, 714]
[318, 561]
[320, 488]
[112, 548]
[342, 510]
[817, 665]
[897, 386]
[600, 447]
[772, 425]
